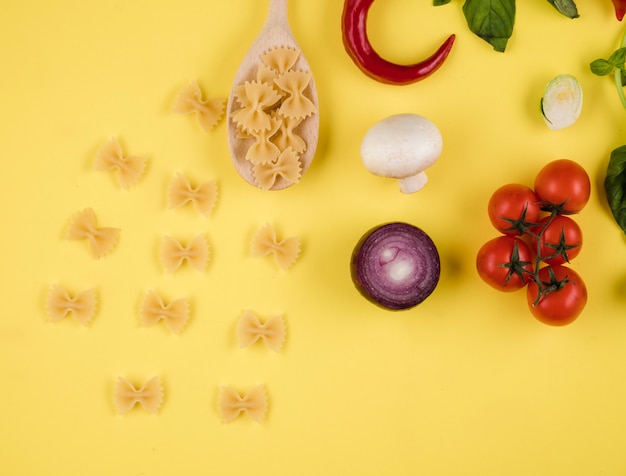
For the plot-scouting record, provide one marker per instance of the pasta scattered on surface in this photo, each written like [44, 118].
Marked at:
[285, 252]
[208, 111]
[271, 110]
[111, 157]
[196, 252]
[286, 166]
[175, 314]
[203, 197]
[253, 404]
[101, 240]
[82, 306]
[149, 396]
[250, 329]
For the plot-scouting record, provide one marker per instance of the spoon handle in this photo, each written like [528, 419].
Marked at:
[277, 14]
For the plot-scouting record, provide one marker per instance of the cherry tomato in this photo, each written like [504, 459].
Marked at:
[513, 208]
[564, 184]
[560, 241]
[563, 299]
[505, 263]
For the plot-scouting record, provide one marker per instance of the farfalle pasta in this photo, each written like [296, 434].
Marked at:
[84, 227]
[110, 157]
[203, 196]
[174, 253]
[81, 306]
[208, 111]
[280, 59]
[255, 99]
[250, 329]
[285, 251]
[175, 314]
[286, 166]
[253, 404]
[149, 396]
[271, 110]
[295, 104]
[286, 136]
[263, 150]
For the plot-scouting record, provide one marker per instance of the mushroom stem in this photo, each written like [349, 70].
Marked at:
[413, 183]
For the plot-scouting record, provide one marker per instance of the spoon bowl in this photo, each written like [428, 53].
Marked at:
[275, 33]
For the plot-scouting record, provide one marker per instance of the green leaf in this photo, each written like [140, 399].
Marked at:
[618, 57]
[615, 185]
[566, 7]
[601, 67]
[440, 2]
[491, 20]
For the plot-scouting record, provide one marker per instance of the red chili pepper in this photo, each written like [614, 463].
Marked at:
[359, 48]
[620, 8]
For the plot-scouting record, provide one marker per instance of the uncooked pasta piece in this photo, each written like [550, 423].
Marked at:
[101, 240]
[258, 98]
[82, 306]
[296, 104]
[239, 91]
[175, 314]
[173, 253]
[286, 137]
[149, 396]
[285, 252]
[265, 74]
[263, 150]
[208, 111]
[287, 166]
[110, 157]
[280, 59]
[231, 404]
[250, 329]
[203, 196]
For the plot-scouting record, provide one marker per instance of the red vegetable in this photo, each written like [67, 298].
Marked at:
[620, 8]
[359, 48]
[563, 186]
[513, 208]
[561, 239]
[560, 296]
[395, 266]
[505, 263]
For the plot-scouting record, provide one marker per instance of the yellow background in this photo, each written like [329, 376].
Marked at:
[467, 383]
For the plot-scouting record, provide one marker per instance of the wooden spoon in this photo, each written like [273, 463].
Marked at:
[275, 33]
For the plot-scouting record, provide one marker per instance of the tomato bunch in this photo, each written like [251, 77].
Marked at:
[538, 239]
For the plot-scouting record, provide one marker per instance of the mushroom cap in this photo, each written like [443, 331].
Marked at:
[401, 145]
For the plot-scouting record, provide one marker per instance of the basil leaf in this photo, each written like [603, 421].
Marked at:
[440, 2]
[615, 186]
[618, 57]
[601, 67]
[491, 20]
[566, 7]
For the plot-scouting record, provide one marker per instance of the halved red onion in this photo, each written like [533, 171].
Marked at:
[395, 265]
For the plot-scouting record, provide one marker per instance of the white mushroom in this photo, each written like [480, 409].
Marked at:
[402, 146]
